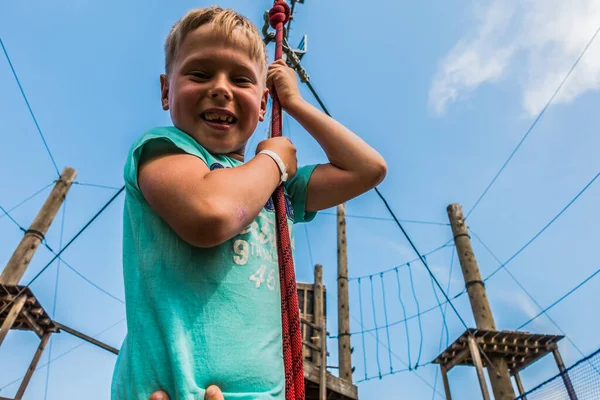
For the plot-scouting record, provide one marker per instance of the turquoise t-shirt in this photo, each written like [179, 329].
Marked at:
[201, 316]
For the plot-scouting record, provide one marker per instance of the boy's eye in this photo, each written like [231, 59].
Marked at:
[199, 75]
[242, 80]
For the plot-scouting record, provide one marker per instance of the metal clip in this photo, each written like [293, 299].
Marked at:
[294, 62]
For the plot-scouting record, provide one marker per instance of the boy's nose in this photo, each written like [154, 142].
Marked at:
[220, 89]
[215, 94]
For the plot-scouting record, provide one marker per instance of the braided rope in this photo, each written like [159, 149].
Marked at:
[290, 315]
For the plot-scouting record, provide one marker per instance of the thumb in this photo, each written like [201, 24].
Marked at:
[213, 393]
[159, 396]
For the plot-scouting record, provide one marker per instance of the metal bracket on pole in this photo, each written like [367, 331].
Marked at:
[291, 56]
[293, 61]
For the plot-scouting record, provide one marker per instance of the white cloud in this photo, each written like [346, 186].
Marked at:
[535, 42]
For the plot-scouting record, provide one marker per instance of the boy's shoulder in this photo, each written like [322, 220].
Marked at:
[164, 139]
[165, 133]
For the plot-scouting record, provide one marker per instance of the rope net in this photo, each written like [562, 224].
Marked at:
[584, 380]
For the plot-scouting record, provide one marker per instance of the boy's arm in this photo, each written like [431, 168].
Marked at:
[354, 166]
[206, 208]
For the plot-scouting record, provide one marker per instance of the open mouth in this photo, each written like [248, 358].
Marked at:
[218, 118]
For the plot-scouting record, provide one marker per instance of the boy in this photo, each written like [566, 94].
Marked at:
[200, 258]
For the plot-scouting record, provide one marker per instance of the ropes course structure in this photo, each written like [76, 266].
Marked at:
[397, 307]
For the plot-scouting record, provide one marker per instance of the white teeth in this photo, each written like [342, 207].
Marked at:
[214, 116]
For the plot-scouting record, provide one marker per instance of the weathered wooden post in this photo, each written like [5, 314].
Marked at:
[318, 311]
[520, 386]
[18, 263]
[498, 370]
[564, 374]
[344, 349]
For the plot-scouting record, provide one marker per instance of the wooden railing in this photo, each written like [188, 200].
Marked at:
[319, 353]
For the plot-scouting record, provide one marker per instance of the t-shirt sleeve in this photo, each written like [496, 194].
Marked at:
[297, 189]
[157, 142]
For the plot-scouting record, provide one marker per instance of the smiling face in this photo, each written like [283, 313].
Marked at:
[216, 90]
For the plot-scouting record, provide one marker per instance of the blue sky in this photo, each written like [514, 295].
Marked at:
[444, 90]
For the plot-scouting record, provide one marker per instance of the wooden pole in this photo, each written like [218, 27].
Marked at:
[564, 373]
[18, 263]
[323, 366]
[446, 383]
[12, 317]
[479, 367]
[86, 338]
[32, 366]
[498, 370]
[520, 386]
[344, 349]
[318, 313]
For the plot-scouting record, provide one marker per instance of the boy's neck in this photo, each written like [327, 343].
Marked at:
[237, 155]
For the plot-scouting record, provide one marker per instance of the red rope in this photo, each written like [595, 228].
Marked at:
[290, 315]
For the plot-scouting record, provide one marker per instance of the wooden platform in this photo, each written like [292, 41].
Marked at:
[337, 388]
[19, 309]
[32, 317]
[519, 349]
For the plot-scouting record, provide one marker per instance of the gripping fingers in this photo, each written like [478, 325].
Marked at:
[159, 396]
[213, 393]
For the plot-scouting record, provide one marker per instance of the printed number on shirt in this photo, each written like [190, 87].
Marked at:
[259, 277]
[242, 250]
[272, 280]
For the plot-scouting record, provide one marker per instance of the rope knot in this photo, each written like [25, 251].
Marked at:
[280, 13]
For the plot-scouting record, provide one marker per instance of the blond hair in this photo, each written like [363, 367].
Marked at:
[225, 21]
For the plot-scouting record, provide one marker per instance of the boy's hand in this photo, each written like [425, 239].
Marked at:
[159, 396]
[212, 393]
[283, 80]
[284, 148]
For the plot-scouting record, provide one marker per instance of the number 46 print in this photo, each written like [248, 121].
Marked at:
[259, 277]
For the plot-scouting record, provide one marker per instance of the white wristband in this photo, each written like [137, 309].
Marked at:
[278, 161]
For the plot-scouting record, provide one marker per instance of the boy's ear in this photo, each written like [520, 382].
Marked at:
[164, 91]
[263, 105]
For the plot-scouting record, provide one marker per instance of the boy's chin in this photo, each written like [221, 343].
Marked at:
[216, 147]
[219, 144]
